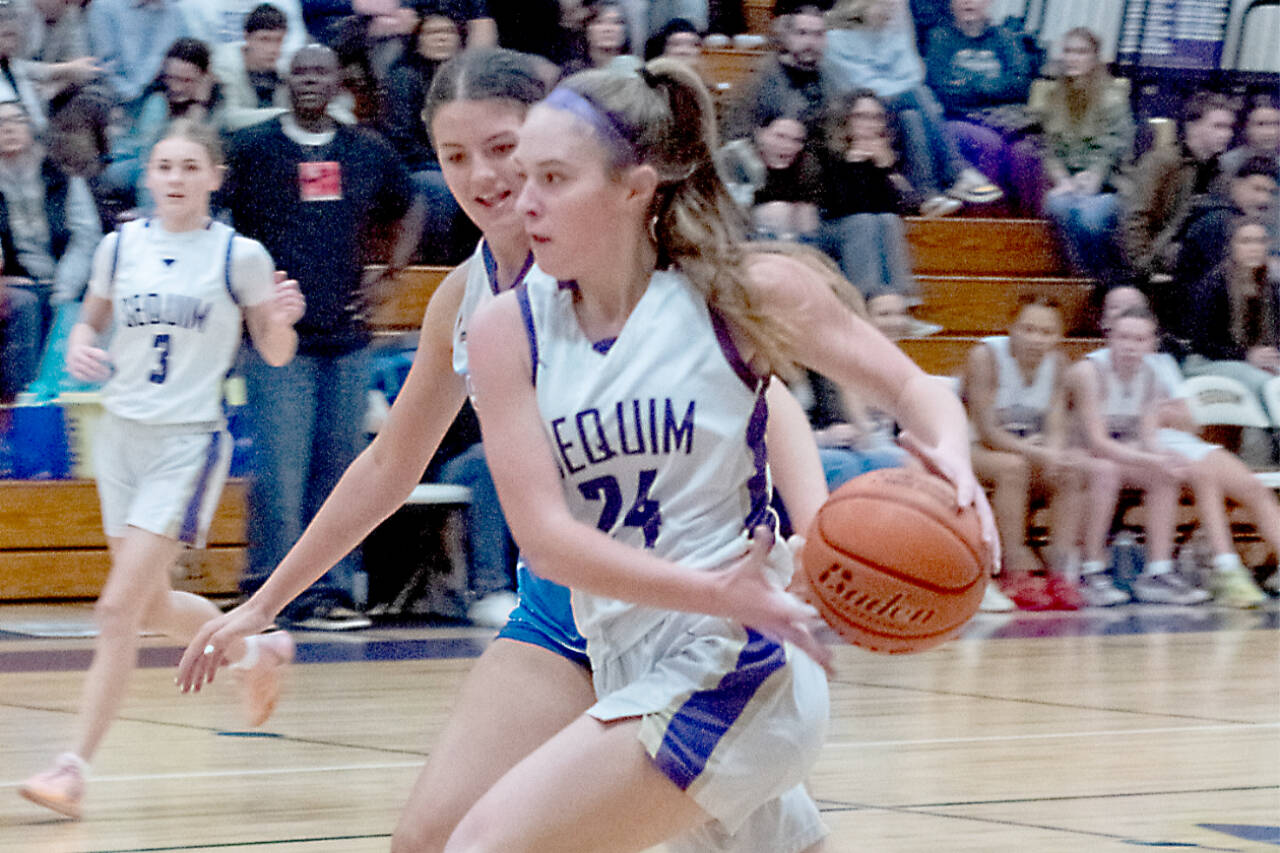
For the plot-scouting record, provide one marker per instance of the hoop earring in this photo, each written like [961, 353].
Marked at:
[653, 228]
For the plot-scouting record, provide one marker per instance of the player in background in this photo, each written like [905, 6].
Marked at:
[173, 291]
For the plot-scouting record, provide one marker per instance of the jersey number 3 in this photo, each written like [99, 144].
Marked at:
[645, 513]
[161, 371]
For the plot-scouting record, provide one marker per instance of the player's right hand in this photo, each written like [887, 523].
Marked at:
[208, 648]
[753, 598]
[89, 363]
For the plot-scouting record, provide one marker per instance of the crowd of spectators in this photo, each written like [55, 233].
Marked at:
[859, 113]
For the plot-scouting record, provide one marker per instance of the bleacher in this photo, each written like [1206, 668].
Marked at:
[971, 272]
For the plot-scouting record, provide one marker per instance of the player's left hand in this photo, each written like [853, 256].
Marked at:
[954, 467]
[287, 304]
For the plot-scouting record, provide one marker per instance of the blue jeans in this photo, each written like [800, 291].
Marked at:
[871, 249]
[842, 464]
[19, 340]
[932, 160]
[306, 419]
[491, 555]
[1087, 223]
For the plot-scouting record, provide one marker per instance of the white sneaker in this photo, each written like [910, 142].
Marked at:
[939, 205]
[1167, 588]
[494, 609]
[1097, 590]
[995, 601]
[974, 187]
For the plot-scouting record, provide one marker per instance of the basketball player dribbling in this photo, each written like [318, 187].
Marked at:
[175, 290]
[475, 108]
[625, 441]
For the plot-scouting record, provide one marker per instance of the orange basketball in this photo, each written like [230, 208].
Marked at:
[892, 564]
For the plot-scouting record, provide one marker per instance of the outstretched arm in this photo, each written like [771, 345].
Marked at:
[373, 487]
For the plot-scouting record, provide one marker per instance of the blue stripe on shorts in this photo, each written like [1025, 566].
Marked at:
[705, 717]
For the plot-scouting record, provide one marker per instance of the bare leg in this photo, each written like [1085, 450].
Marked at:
[1211, 508]
[1066, 515]
[516, 697]
[591, 787]
[1009, 475]
[140, 564]
[1240, 485]
[1161, 505]
[1102, 490]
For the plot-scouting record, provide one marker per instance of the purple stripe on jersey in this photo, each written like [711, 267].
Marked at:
[191, 519]
[758, 484]
[526, 311]
[491, 268]
[707, 715]
[231, 241]
[730, 350]
[603, 346]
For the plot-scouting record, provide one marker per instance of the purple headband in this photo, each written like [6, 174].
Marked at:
[570, 101]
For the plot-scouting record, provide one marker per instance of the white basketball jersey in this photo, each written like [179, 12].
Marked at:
[1123, 405]
[481, 289]
[658, 434]
[1021, 407]
[176, 316]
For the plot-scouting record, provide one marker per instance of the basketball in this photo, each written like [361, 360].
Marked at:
[892, 565]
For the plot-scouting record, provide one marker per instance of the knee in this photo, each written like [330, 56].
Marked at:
[1011, 471]
[116, 615]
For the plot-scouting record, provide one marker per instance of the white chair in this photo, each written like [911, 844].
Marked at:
[1271, 396]
[1221, 401]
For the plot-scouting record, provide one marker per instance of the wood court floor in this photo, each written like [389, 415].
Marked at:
[1101, 731]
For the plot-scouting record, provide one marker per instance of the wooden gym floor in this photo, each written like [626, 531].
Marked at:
[1143, 727]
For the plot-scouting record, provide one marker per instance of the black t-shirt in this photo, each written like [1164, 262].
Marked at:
[311, 207]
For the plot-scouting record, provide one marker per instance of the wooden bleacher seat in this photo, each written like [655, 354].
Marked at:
[52, 545]
[967, 304]
[971, 246]
[945, 355]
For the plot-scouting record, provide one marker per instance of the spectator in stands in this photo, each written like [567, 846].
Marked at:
[870, 45]
[1087, 138]
[1260, 134]
[447, 237]
[435, 39]
[605, 42]
[863, 198]
[186, 89]
[1166, 183]
[1233, 313]
[309, 188]
[19, 339]
[79, 142]
[771, 175]
[1115, 402]
[1216, 474]
[252, 88]
[794, 67]
[57, 31]
[49, 224]
[21, 80]
[1014, 388]
[224, 23]
[1250, 191]
[982, 75]
[680, 39]
[131, 39]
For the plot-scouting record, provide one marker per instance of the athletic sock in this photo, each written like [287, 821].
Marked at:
[1228, 562]
[251, 652]
[1158, 567]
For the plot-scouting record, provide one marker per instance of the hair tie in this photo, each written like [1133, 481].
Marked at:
[604, 124]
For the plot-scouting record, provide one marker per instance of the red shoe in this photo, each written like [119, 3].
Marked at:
[1029, 592]
[1065, 594]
